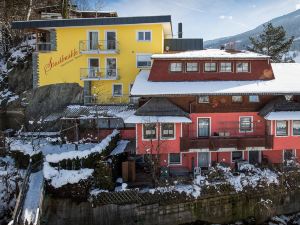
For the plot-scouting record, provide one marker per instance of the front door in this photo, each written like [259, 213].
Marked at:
[203, 159]
[111, 67]
[93, 40]
[93, 67]
[203, 127]
[254, 157]
[111, 40]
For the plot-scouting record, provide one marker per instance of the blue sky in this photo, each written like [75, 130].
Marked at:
[208, 19]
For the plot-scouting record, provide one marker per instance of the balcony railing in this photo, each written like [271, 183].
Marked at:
[98, 47]
[217, 142]
[44, 46]
[99, 74]
[110, 100]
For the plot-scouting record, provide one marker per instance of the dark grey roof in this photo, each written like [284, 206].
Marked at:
[90, 21]
[160, 107]
[183, 44]
[280, 104]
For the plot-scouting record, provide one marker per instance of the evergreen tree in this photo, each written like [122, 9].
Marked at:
[272, 42]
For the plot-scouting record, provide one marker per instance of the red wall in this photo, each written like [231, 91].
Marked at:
[260, 70]
[166, 146]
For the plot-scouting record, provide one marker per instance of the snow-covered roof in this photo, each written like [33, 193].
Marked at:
[283, 116]
[287, 81]
[157, 119]
[211, 53]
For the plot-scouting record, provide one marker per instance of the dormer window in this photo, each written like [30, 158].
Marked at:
[192, 67]
[242, 67]
[225, 67]
[210, 67]
[176, 67]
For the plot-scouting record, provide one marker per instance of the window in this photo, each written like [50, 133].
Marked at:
[144, 36]
[149, 131]
[253, 98]
[210, 67]
[167, 130]
[236, 156]
[237, 99]
[203, 99]
[242, 67]
[143, 61]
[281, 128]
[296, 127]
[117, 90]
[225, 67]
[246, 124]
[192, 67]
[176, 67]
[174, 158]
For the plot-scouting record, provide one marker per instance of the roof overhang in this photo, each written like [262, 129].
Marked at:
[295, 115]
[157, 119]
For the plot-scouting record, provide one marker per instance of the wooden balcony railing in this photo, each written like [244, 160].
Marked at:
[217, 142]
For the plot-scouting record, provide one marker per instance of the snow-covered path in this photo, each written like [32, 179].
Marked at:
[30, 210]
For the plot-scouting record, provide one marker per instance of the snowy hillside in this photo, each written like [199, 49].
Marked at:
[290, 22]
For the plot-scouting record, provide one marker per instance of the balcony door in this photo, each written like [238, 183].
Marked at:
[203, 127]
[93, 69]
[203, 159]
[111, 67]
[254, 157]
[93, 40]
[111, 40]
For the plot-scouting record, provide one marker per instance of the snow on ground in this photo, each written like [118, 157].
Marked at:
[120, 147]
[250, 177]
[32, 200]
[9, 176]
[58, 178]
[55, 158]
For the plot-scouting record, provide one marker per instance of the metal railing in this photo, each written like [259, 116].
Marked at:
[99, 46]
[99, 74]
[110, 100]
[44, 46]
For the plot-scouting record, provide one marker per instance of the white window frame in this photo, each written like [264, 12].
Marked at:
[210, 71]
[105, 33]
[168, 138]
[197, 125]
[203, 102]
[224, 71]
[288, 129]
[292, 127]
[143, 54]
[88, 39]
[144, 31]
[249, 67]
[175, 164]
[241, 131]
[149, 139]
[175, 71]
[113, 90]
[191, 71]
[258, 99]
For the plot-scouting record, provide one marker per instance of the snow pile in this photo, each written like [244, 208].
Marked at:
[250, 177]
[55, 158]
[31, 205]
[59, 178]
[23, 146]
[120, 147]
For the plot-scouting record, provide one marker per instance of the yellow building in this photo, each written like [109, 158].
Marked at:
[103, 55]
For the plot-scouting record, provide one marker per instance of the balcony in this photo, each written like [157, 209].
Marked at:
[110, 100]
[98, 47]
[89, 74]
[229, 135]
[44, 46]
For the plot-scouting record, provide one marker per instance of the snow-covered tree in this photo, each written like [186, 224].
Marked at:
[273, 42]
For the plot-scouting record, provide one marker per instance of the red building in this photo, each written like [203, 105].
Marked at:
[207, 106]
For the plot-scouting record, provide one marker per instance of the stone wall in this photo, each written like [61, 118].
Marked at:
[220, 209]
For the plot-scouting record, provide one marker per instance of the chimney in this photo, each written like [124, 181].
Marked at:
[179, 30]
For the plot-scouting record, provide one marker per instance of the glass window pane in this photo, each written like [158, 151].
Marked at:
[225, 67]
[117, 90]
[237, 155]
[210, 67]
[140, 36]
[253, 98]
[296, 127]
[203, 127]
[167, 130]
[143, 60]
[148, 36]
[237, 98]
[176, 67]
[203, 99]
[242, 67]
[281, 128]
[149, 131]
[192, 67]
[246, 124]
[174, 158]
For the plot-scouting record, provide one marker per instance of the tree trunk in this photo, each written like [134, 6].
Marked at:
[29, 10]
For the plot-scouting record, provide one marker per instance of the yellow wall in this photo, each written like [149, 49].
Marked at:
[69, 71]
